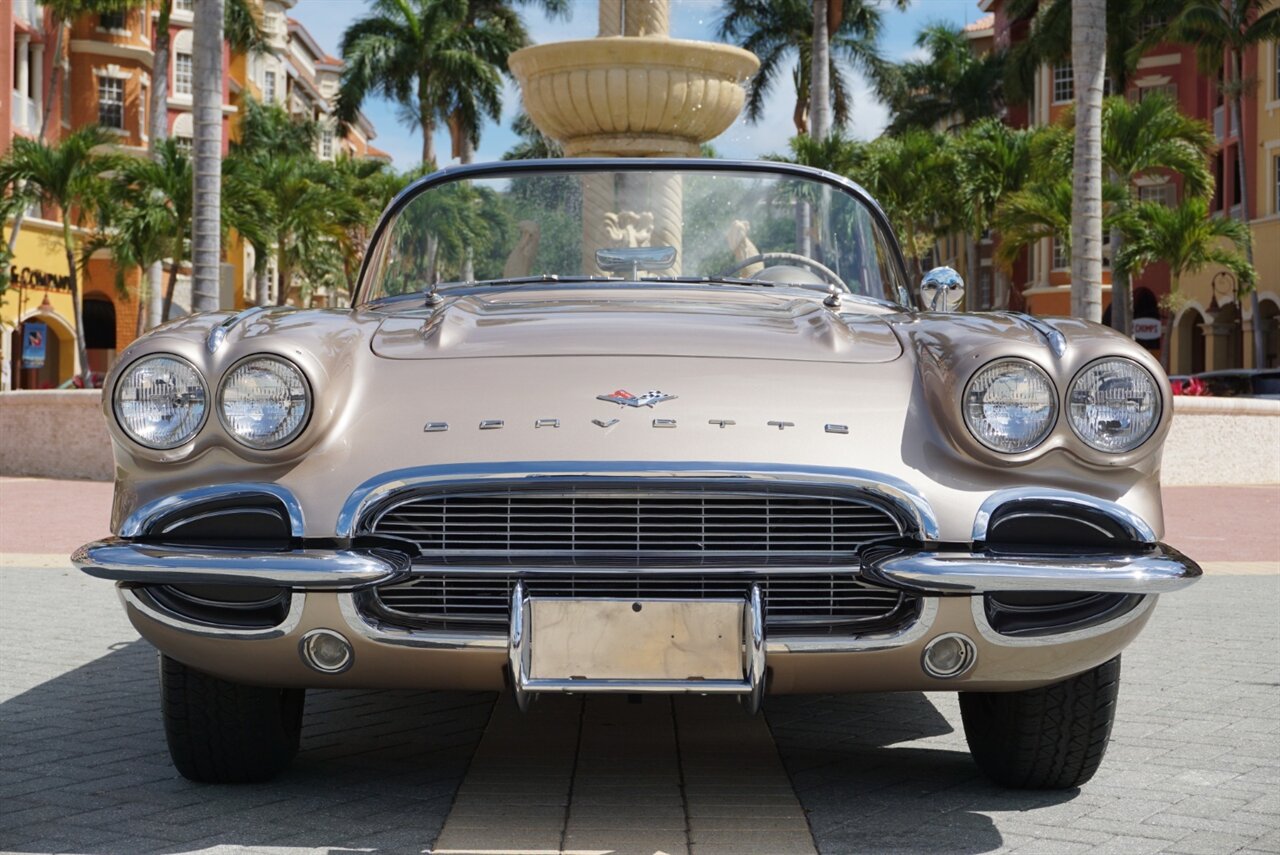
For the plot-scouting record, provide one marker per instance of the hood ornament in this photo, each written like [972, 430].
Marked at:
[626, 399]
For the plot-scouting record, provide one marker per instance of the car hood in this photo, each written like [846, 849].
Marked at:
[639, 322]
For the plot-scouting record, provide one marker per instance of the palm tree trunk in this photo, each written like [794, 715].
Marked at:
[262, 286]
[1088, 57]
[1259, 334]
[158, 131]
[1121, 290]
[820, 73]
[170, 288]
[69, 245]
[206, 250]
[286, 277]
[971, 270]
[1166, 343]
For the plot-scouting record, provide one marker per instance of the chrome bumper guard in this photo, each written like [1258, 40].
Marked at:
[1157, 570]
[750, 688]
[308, 569]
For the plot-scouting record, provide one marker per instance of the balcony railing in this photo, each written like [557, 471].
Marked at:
[25, 115]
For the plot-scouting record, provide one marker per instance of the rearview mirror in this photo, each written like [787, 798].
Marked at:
[633, 259]
[942, 290]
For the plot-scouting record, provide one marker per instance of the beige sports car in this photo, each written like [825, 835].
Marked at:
[639, 426]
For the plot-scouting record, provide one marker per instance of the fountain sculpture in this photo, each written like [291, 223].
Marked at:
[633, 91]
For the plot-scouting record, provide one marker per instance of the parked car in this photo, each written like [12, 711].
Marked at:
[1242, 383]
[622, 426]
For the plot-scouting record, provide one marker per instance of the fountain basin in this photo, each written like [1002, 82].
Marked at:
[632, 96]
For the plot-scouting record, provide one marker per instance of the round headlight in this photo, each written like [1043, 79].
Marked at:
[264, 402]
[1010, 406]
[1113, 405]
[159, 401]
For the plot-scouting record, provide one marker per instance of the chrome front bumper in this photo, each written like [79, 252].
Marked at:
[301, 569]
[1158, 569]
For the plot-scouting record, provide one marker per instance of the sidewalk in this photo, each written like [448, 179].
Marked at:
[1238, 525]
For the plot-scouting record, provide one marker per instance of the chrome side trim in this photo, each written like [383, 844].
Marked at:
[140, 521]
[909, 634]
[1157, 571]
[297, 602]
[317, 569]
[990, 635]
[371, 629]
[1135, 526]
[911, 505]
[1056, 340]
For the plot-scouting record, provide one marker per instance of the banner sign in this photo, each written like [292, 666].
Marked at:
[1146, 329]
[35, 340]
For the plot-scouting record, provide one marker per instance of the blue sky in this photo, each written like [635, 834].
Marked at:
[691, 19]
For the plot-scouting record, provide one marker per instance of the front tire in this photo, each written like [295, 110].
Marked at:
[1050, 738]
[221, 732]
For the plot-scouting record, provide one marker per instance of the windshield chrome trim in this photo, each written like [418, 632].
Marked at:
[630, 164]
[914, 509]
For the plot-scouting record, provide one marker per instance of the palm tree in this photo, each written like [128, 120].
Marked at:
[775, 30]
[1089, 70]
[1217, 29]
[953, 87]
[1187, 239]
[913, 177]
[68, 176]
[148, 216]
[427, 56]
[206, 248]
[992, 162]
[532, 143]
[1145, 138]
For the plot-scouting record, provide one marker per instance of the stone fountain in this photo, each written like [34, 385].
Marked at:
[633, 91]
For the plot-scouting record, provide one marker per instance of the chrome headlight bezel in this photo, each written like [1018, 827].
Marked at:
[1153, 385]
[295, 432]
[181, 439]
[1052, 400]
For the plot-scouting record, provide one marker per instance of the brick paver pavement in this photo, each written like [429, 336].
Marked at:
[1194, 764]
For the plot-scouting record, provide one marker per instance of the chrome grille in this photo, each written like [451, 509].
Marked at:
[642, 524]
[795, 603]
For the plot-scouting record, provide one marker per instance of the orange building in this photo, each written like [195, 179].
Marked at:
[105, 78]
[1211, 327]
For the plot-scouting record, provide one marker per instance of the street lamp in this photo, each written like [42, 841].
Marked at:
[1232, 289]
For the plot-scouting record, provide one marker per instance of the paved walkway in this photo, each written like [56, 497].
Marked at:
[1194, 764]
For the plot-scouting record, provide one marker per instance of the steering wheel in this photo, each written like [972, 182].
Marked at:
[818, 267]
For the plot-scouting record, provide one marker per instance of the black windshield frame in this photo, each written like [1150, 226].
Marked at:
[561, 166]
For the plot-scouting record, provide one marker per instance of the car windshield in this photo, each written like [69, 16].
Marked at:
[747, 227]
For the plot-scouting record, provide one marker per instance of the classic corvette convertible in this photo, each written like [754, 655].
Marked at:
[639, 426]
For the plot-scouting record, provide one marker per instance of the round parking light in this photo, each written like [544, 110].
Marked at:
[949, 656]
[326, 651]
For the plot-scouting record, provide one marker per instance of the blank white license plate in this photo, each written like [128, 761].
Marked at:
[610, 639]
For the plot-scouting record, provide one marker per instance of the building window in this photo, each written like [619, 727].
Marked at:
[1165, 194]
[183, 144]
[1061, 255]
[326, 144]
[269, 86]
[111, 102]
[1152, 23]
[1063, 83]
[182, 73]
[1275, 62]
[144, 105]
[111, 21]
[1275, 165]
[984, 295]
[184, 5]
[1169, 90]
